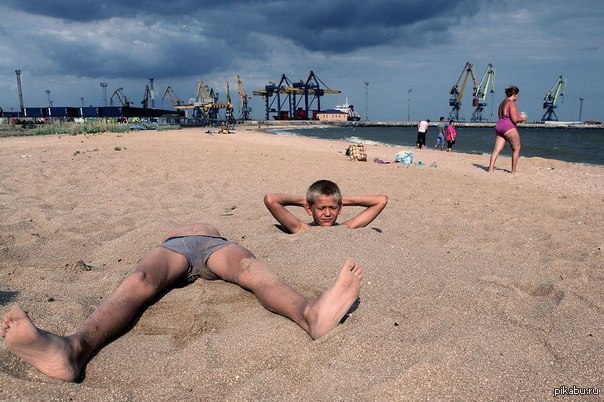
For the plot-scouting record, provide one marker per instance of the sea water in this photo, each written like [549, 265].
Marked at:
[566, 144]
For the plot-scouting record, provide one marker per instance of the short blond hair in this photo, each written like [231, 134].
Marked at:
[324, 188]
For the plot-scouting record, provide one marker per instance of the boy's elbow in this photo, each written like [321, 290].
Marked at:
[384, 200]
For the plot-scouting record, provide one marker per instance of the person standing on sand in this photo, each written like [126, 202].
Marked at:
[505, 130]
[189, 252]
[324, 201]
[451, 135]
[440, 139]
[422, 129]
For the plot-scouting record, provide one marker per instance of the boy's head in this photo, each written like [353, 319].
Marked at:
[324, 202]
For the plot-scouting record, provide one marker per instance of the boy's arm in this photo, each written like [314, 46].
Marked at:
[374, 204]
[276, 204]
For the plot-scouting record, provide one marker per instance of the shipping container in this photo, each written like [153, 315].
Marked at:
[73, 112]
[133, 112]
[89, 111]
[57, 112]
[34, 112]
[301, 114]
[110, 111]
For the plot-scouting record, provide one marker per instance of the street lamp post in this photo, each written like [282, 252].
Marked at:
[48, 95]
[409, 104]
[366, 100]
[104, 86]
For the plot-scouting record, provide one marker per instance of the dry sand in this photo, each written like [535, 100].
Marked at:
[477, 286]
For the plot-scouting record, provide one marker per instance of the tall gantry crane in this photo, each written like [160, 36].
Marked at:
[177, 103]
[207, 107]
[229, 106]
[174, 100]
[480, 93]
[309, 92]
[551, 97]
[457, 91]
[243, 98]
[205, 103]
[205, 95]
[204, 106]
[119, 94]
[147, 97]
[277, 90]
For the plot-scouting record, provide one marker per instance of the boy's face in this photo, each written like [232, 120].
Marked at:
[325, 210]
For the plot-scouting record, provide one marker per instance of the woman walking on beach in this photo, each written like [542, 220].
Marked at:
[451, 135]
[505, 130]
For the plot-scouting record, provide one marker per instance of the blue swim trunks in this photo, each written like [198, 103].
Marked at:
[197, 250]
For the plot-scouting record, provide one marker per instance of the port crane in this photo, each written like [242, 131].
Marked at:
[174, 100]
[480, 93]
[228, 106]
[551, 97]
[204, 103]
[457, 91]
[309, 92]
[146, 97]
[177, 103]
[205, 95]
[204, 106]
[277, 90]
[207, 106]
[119, 94]
[243, 98]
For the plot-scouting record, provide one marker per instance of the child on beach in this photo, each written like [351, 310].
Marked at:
[189, 252]
[451, 135]
[324, 202]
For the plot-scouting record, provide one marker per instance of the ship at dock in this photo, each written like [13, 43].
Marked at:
[349, 110]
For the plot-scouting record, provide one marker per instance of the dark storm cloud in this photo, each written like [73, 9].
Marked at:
[174, 58]
[94, 62]
[337, 26]
[343, 26]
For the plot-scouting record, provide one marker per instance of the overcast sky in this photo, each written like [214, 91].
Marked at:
[70, 46]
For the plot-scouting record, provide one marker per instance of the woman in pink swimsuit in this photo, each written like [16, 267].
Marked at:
[506, 130]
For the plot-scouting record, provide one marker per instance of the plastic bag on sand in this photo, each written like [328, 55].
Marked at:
[405, 157]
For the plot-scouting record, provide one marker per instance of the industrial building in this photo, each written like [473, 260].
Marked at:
[332, 115]
[92, 111]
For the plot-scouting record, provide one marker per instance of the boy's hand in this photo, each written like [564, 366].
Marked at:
[374, 204]
[276, 204]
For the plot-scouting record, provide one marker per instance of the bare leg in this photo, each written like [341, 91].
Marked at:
[513, 137]
[51, 354]
[63, 357]
[499, 144]
[235, 264]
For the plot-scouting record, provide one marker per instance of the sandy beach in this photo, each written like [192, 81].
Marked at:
[477, 286]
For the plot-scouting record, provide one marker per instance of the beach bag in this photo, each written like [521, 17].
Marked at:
[405, 157]
[357, 152]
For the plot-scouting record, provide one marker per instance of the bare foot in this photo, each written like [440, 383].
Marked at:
[328, 310]
[49, 353]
